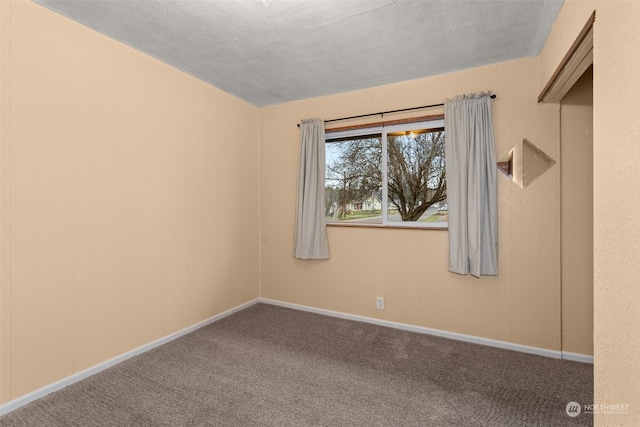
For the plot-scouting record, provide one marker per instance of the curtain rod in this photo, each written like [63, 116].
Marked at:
[382, 113]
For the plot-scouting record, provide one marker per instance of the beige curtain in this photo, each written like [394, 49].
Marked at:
[471, 186]
[310, 239]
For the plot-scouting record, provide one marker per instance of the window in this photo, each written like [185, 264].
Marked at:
[392, 175]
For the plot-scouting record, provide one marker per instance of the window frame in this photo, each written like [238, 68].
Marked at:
[383, 130]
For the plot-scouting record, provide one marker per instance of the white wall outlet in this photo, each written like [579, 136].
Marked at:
[380, 303]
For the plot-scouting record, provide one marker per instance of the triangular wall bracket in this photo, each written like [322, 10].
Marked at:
[525, 163]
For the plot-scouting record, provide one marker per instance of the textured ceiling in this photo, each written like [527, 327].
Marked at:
[273, 51]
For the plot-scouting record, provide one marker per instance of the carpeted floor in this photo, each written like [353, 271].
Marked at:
[273, 366]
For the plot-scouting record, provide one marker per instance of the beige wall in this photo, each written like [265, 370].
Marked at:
[409, 267]
[616, 108]
[132, 199]
[4, 209]
[576, 147]
[617, 209]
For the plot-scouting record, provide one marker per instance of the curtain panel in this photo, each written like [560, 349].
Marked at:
[471, 185]
[310, 237]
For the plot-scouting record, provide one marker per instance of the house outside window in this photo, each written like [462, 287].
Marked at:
[387, 176]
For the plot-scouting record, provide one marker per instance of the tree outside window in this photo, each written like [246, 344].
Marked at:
[402, 165]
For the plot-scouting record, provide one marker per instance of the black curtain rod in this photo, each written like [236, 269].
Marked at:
[382, 113]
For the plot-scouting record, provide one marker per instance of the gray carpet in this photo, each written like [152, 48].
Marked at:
[272, 366]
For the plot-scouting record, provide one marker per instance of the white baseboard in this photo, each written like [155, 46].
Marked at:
[577, 357]
[437, 332]
[58, 385]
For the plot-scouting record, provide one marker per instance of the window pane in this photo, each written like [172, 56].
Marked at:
[416, 177]
[354, 180]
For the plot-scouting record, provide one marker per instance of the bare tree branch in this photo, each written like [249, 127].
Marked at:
[415, 176]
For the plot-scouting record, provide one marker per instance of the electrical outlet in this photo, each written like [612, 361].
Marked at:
[380, 303]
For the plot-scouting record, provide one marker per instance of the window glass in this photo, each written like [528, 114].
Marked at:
[416, 190]
[353, 179]
[387, 176]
